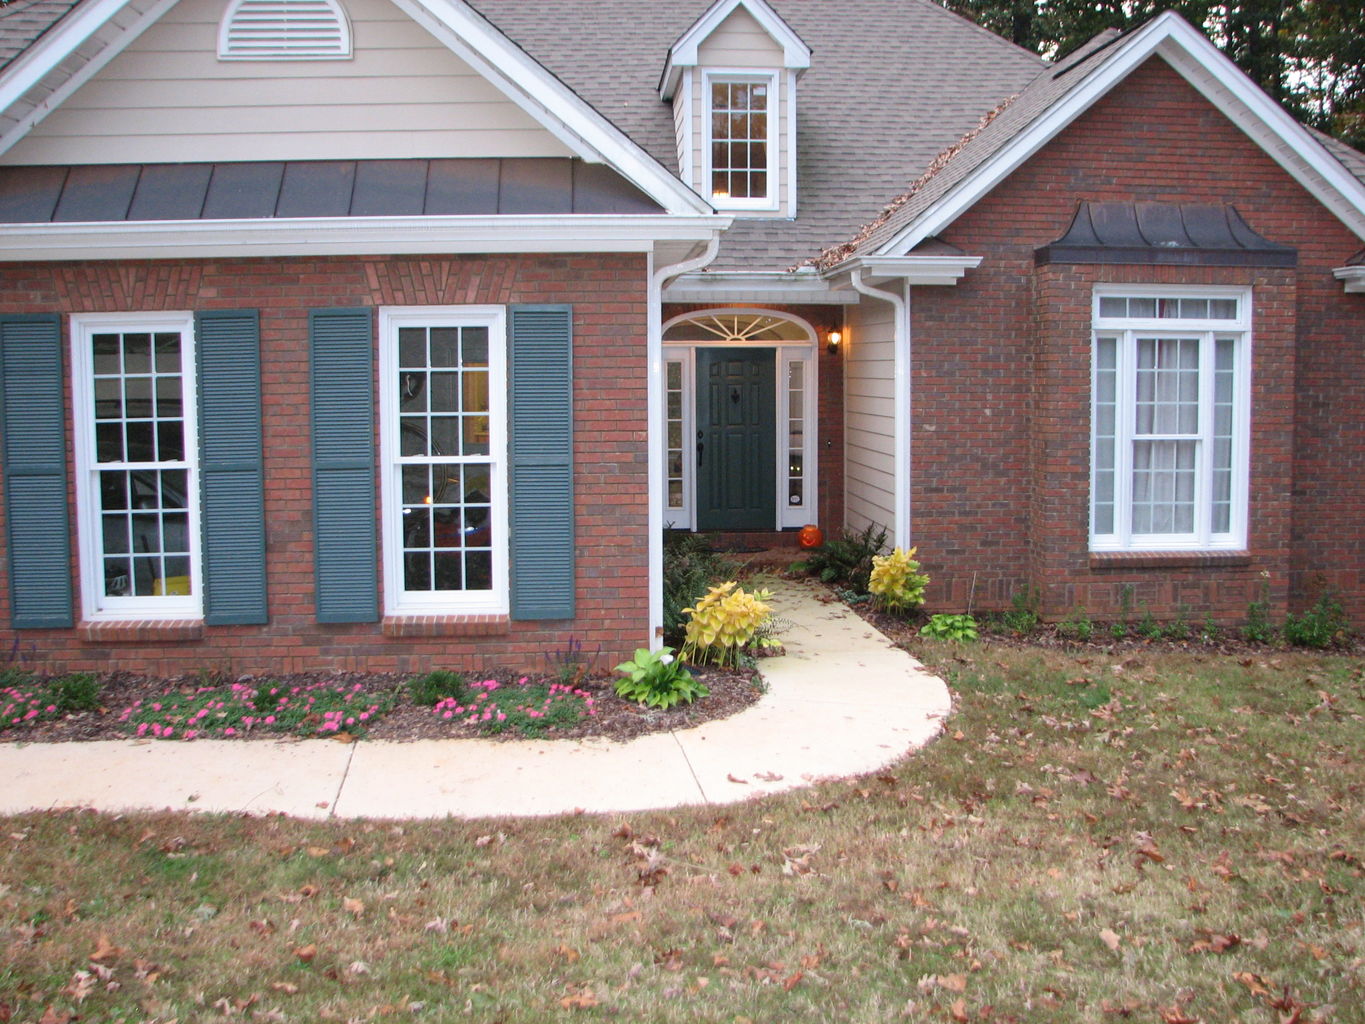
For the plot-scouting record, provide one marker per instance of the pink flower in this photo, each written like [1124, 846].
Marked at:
[229, 731]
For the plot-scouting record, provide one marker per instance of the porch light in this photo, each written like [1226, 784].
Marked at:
[833, 338]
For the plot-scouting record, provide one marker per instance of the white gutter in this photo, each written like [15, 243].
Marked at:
[350, 236]
[654, 406]
[1353, 277]
[900, 306]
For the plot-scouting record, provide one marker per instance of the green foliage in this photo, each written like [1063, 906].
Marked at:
[846, 561]
[526, 708]
[436, 686]
[569, 664]
[325, 707]
[1209, 632]
[1149, 627]
[1022, 618]
[1077, 625]
[724, 622]
[79, 691]
[28, 699]
[656, 679]
[958, 628]
[1179, 629]
[1258, 628]
[1320, 626]
[691, 568]
[896, 584]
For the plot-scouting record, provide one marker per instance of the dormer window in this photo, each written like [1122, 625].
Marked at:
[742, 146]
[284, 30]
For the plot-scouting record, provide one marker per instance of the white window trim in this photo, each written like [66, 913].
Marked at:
[1127, 330]
[397, 601]
[772, 202]
[96, 606]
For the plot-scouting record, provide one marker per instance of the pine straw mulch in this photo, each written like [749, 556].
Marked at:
[732, 691]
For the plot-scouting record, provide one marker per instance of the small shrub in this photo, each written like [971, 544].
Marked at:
[691, 568]
[723, 623]
[1077, 625]
[531, 709]
[437, 686]
[1022, 618]
[1319, 626]
[846, 561]
[1180, 628]
[896, 584]
[958, 628]
[1149, 627]
[569, 664]
[28, 699]
[1258, 628]
[656, 679]
[1209, 632]
[79, 691]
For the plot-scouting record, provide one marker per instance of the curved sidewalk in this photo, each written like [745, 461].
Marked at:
[843, 701]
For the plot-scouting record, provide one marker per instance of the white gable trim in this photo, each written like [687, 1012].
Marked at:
[1352, 279]
[683, 53]
[1220, 81]
[44, 61]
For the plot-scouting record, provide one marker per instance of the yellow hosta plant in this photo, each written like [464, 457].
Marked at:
[897, 585]
[724, 622]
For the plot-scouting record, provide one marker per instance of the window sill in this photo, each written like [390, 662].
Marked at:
[1102, 560]
[414, 626]
[141, 631]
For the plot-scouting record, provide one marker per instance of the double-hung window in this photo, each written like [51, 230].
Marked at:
[741, 140]
[1170, 419]
[137, 473]
[444, 443]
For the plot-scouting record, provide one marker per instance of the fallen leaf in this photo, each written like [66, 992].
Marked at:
[790, 983]
[352, 905]
[741, 782]
[1257, 985]
[104, 949]
[306, 953]
[287, 987]
[1175, 1015]
[583, 1000]
[958, 1011]
[54, 1016]
[1110, 938]
[768, 777]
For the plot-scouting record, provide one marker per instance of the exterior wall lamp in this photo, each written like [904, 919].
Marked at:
[832, 341]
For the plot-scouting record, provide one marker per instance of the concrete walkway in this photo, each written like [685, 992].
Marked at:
[843, 701]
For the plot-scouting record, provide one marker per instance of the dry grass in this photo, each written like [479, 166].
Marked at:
[1155, 838]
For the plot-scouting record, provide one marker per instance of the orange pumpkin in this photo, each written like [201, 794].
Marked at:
[810, 536]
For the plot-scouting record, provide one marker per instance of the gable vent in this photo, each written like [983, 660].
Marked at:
[284, 30]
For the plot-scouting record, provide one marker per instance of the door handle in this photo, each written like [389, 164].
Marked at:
[701, 450]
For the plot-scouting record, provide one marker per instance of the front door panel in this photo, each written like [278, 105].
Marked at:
[736, 431]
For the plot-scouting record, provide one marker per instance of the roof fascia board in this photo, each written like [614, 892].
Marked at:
[1178, 43]
[1353, 278]
[683, 53]
[724, 287]
[51, 59]
[549, 101]
[54, 46]
[353, 236]
[913, 270]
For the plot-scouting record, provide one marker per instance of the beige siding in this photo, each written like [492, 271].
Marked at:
[169, 98]
[869, 416]
[740, 42]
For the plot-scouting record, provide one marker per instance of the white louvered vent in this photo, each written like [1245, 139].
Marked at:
[284, 30]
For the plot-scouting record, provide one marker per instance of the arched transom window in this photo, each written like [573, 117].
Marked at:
[734, 328]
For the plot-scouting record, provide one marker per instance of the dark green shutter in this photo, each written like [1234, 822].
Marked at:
[541, 414]
[33, 418]
[347, 571]
[231, 473]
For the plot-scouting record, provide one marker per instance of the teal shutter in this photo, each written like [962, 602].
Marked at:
[231, 471]
[37, 515]
[541, 413]
[345, 559]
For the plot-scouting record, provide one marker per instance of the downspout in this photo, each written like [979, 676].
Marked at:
[900, 498]
[654, 404]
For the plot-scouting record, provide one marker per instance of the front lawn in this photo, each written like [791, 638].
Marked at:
[1139, 835]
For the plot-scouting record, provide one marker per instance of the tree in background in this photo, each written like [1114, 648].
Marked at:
[1308, 54]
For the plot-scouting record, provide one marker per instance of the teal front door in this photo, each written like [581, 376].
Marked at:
[736, 438]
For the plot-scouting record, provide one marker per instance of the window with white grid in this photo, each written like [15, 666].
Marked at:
[443, 435]
[137, 482]
[740, 140]
[1170, 421]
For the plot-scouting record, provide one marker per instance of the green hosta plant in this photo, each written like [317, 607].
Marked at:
[656, 679]
[896, 584]
[724, 622]
[959, 628]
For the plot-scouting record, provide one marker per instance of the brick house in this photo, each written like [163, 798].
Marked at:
[370, 334]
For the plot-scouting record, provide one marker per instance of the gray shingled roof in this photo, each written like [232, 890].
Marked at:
[891, 83]
[24, 21]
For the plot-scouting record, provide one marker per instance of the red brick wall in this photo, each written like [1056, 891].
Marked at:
[1001, 375]
[610, 464]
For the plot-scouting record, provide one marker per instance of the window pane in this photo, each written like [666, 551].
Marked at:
[137, 353]
[412, 347]
[1113, 305]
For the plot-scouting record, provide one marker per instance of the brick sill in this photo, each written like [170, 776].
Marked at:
[142, 631]
[1102, 560]
[412, 626]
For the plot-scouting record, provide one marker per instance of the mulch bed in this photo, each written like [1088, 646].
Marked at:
[614, 718]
